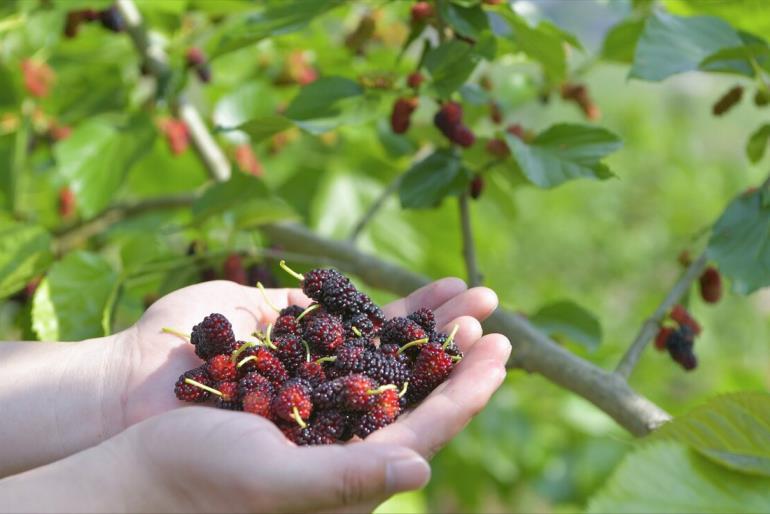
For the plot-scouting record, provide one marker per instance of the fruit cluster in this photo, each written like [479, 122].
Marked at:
[679, 337]
[325, 373]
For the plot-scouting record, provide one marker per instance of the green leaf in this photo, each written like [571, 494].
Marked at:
[543, 43]
[9, 96]
[733, 430]
[620, 41]
[277, 17]
[668, 477]
[97, 156]
[749, 15]
[244, 195]
[70, 302]
[740, 242]
[222, 196]
[264, 127]
[321, 98]
[673, 44]
[25, 252]
[468, 21]
[450, 64]
[564, 152]
[571, 321]
[427, 182]
[757, 143]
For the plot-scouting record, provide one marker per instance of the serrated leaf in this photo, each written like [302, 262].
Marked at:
[25, 252]
[70, 302]
[740, 243]
[450, 64]
[222, 196]
[566, 319]
[469, 21]
[564, 152]
[732, 430]
[674, 44]
[750, 15]
[97, 156]
[543, 43]
[427, 182]
[620, 41]
[669, 477]
[275, 18]
[264, 127]
[757, 143]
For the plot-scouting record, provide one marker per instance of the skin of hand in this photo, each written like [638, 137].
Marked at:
[201, 459]
[144, 362]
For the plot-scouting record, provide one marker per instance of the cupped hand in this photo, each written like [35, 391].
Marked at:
[156, 359]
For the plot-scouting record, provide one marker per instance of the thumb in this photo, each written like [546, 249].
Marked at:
[336, 476]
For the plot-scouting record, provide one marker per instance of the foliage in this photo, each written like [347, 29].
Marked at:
[300, 99]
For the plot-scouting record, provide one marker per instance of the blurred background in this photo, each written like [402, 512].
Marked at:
[609, 246]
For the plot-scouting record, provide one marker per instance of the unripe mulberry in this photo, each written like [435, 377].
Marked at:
[728, 101]
[402, 112]
[683, 317]
[232, 269]
[421, 11]
[414, 79]
[476, 187]
[710, 285]
[662, 337]
[498, 148]
[495, 114]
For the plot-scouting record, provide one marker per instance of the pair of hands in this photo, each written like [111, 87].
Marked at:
[204, 459]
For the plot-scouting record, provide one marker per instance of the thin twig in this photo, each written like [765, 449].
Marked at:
[533, 351]
[374, 209]
[469, 248]
[154, 56]
[652, 324]
[72, 236]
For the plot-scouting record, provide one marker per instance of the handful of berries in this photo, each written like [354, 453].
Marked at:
[326, 373]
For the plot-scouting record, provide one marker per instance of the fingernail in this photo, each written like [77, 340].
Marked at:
[406, 473]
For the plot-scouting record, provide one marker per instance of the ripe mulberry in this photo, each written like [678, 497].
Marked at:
[710, 285]
[212, 336]
[189, 392]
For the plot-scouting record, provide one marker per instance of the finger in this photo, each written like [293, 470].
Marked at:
[478, 302]
[431, 296]
[451, 406]
[469, 331]
[338, 476]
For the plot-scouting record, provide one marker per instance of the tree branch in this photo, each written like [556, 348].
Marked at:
[156, 60]
[469, 248]
[533, 350]
[73, 236]
[652, 324]
[374, 208]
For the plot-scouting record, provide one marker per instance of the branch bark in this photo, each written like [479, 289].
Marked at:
[154, 56]
[652, 324]
[533, 351]
[375, 208]
[74, 235]
[469, 247]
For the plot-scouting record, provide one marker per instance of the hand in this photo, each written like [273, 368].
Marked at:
[200, 459]
[159, 358]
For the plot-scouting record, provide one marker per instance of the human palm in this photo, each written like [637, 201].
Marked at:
[156, 358]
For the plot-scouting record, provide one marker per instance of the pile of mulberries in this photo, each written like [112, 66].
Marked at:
[326, 373]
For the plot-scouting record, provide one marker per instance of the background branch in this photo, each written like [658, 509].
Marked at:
[469, 248]
[374, 208]
[73, 236]
[652, 324]
[156, 60]
[533, 350]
